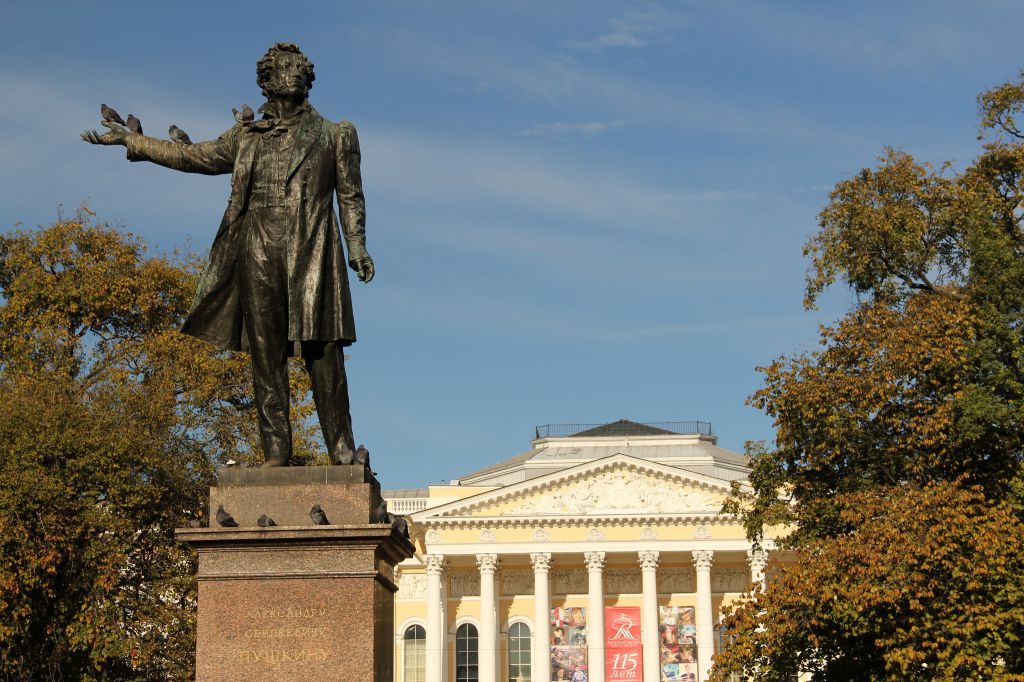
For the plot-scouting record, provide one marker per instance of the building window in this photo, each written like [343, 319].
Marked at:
[414, 654]
[519, 653]
[467, 647]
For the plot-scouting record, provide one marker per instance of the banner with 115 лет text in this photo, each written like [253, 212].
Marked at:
[623, 650]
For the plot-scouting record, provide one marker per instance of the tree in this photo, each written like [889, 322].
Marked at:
[925, 586]
[111, 427]
[914, 403]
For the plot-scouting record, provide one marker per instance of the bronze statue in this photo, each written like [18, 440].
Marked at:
[276, 284]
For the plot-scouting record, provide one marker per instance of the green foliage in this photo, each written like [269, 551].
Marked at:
[111, 425]
[915, 400]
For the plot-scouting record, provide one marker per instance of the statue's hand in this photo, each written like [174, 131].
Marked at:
[117, 135]
[364, 268]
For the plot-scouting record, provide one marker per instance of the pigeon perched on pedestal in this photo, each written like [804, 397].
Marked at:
[111, 116]
[399, 523]
[178, 135]
[245, 116]
[380, 514]
[317, 515]
[134, 124]
[225, 519]
[345, 456]
[196, 523]
[265, 522]
[362, 456]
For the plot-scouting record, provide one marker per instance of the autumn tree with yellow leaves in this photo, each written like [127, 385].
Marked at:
[111, 426]
[897, 463]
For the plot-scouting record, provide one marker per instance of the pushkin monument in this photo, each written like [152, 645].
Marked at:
[275, 284]
[296, 582]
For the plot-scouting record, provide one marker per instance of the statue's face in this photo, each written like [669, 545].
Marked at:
[286, 78]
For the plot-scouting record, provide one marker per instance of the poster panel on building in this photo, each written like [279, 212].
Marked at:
[569, 644]
[677, 637]
[623, 650]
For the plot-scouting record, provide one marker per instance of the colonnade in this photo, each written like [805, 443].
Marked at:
[489, 659]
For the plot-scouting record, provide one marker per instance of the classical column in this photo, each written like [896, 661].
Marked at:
[702, 559]
[757, 559]
[595, 617]
[436, 635]
[541, 616]
[649, 615]
[488, 564]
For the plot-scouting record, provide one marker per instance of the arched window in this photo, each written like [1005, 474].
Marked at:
[414, 654]
[467, 648]
[519, 653]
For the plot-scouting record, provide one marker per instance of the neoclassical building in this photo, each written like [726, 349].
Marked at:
[599, 554]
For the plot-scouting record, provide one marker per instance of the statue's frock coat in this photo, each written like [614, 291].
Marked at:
[325, 160]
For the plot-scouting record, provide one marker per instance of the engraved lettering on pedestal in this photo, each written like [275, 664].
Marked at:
[277, 635]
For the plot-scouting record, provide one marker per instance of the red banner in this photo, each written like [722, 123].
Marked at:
[623, 650]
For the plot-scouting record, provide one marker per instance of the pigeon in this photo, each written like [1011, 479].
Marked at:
[402, 524]
[318, 516]
[399, 523]
[195, 523]
[362, 456]
[380, 514]
[346, 456]
[178, 135]
[245, 116]
[134, 124]
[225, 519]
[110, 115]
[265, 522]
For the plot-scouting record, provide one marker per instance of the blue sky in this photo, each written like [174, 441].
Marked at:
[579, 211]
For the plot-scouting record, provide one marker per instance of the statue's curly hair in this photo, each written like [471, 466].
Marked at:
[265, 66]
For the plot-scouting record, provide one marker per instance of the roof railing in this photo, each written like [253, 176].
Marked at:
[624, 427]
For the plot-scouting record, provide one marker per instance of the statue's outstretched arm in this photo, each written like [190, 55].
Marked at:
[210, 158]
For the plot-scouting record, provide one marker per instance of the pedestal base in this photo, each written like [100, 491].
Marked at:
[299, 602]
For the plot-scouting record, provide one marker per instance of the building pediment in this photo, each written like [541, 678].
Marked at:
[616, 486]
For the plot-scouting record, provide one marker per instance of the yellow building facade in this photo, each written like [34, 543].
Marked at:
[601, 554]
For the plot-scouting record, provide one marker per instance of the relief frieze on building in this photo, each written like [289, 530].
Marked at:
[616, 491]
[412, 586]
[464, 584]
[676, 580]
[569, 581]
[516, 582]
[622, 581]
[730, 580]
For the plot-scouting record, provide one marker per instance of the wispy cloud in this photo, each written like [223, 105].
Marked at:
[636, 28]
[487, 170]
[567, 128]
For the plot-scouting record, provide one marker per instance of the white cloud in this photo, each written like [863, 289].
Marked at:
[563, 128]
[636, 28]
[479, 171]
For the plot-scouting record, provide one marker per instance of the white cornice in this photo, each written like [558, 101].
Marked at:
[623, 520]
[470, 504]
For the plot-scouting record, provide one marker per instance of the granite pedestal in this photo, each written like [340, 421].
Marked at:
[296, 601]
